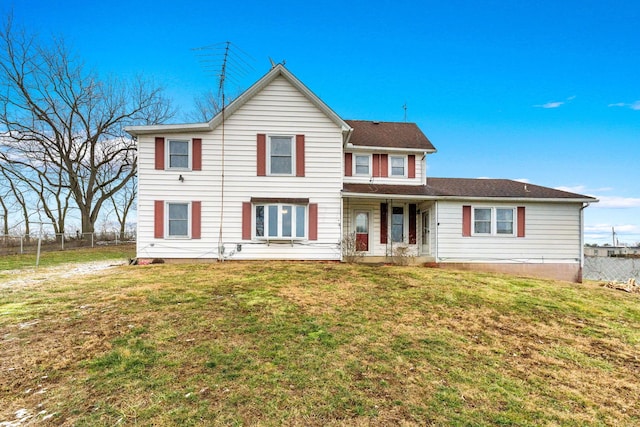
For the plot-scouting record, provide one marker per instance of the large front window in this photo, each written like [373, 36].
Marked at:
[281, 155]
[280, 221]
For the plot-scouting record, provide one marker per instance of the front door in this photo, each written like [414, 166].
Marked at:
[425, 233]
[362, 231]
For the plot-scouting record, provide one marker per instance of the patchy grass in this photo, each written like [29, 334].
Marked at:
[54, 258]
[288, 343]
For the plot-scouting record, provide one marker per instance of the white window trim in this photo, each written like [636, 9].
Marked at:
[293, 154]
[405, 166]
[354, 164]
[494, 221]
[266, 236]
[189, 154]
[166, 221]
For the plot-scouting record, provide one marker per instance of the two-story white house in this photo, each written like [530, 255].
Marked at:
[279, 175]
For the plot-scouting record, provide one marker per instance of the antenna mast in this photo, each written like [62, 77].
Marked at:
[237, 66]
[404, 107]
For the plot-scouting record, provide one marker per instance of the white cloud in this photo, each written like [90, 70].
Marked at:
[607, 228]
[617, 202]
[523, 180]
[573, 189]
[634, 105]
[550, 105]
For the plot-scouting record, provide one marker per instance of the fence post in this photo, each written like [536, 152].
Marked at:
[116, 233]
[62, 240]
[21, 245]
[91, 239]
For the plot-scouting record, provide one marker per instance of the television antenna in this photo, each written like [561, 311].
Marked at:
[226, 62]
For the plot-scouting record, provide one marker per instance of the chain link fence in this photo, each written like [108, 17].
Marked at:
[611, 269]
[11, 244]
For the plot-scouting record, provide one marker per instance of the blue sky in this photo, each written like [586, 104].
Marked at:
[544, 91]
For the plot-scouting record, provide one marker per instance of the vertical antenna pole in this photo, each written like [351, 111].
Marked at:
[221, 93]
[405, 111]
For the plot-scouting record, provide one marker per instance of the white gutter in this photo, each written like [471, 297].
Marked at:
[151, 129]
[389, 149]
[464, 199]
[581, 250]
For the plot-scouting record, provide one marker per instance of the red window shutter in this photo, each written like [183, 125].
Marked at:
[158, 219]
[376, 165]
[412, 165]
[262, 154]
[196, 149]
[159, 153]
[299, 155]
[466, 221]
[246, 221]
[384, 165]
[384, 209]
[413, 210]
[348, 164]
[313, 221]
[196, 219]
[521, 221]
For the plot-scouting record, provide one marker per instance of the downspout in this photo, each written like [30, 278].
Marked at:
[581, 250]
[437, 245]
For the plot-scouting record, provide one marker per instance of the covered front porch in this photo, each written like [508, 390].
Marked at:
[389, 229]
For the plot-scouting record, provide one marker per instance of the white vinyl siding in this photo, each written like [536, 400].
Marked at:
[278, 110]
[552, 234]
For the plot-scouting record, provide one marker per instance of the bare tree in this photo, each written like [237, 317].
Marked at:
[207, 106]
[64, 125]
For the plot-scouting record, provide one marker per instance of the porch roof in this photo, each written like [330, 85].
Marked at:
[466, 188]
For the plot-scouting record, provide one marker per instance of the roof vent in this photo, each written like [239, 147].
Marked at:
[376, 122]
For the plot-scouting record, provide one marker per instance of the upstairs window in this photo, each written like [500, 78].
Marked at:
[178, 154]
[397, 165]
[362, 164]
[281, 155]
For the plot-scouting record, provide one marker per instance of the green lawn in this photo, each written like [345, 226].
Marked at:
[302, 343]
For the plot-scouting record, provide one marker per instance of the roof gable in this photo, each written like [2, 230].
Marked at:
[388, 135]
[275, 72]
